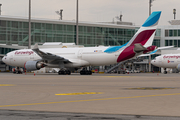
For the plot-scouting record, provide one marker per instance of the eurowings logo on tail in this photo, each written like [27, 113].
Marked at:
[142, 39]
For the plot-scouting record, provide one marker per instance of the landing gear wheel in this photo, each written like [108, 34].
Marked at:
[69, 72]
[82, 72]
[86, 72]
[90, 72]
[64, 72]
[60, 72]
[165, 72]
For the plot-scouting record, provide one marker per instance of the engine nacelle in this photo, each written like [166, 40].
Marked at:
[33, 65]
[150, 48]
[178, 67]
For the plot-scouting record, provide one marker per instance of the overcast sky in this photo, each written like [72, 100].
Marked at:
[135, 11]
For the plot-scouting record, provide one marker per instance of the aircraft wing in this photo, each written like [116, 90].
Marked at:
[153, 52]
[48, 56]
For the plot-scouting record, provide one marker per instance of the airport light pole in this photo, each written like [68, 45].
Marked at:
[150, 1]
[174, 12]
[150, 4]
[77, 39]
[61, 14]
[29, 44]
[0, 8]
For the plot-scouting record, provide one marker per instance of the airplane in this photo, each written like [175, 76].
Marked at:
[68, 58]
[167, 61]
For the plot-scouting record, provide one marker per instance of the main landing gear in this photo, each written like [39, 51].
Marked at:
[86, 72]
[165, 72]
[68, 72]
[64, 72]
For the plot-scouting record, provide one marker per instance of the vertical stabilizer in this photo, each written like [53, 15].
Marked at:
[145, 34]
[142, 39]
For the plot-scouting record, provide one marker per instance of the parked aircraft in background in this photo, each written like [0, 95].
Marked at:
[66, 58]
[167, 61]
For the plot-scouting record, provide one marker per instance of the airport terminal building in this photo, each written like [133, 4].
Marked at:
[14, 33]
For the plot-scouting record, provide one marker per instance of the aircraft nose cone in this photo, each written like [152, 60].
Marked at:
[153, 62]
[4, 59]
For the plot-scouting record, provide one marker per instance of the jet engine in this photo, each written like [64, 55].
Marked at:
[150, 48]
[33, 65]
[178, 67]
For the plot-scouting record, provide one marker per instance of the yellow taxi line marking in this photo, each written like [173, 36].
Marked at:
[7, 85]
[83, 93]
[90, 100]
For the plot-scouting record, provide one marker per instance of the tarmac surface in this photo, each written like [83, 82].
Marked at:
[98, 96]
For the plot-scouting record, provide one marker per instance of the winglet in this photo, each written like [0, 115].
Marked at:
[35, 46]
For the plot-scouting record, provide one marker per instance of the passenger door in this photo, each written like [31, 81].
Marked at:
[31, 56]
[80, 54]
[11, 58]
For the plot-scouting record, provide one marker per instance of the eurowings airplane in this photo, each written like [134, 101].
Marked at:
[35, 59]
[167, 61]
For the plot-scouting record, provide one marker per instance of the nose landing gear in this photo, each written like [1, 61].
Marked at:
[165, 72]
[17, 70]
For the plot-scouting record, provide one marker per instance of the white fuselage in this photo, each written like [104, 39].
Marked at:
[93, 56]
[167, 61]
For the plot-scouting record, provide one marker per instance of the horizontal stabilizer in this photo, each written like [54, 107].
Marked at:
[154, 52]
[139, 48]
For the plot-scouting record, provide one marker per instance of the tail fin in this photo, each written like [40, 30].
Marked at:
[145, 34]
[142, 39]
